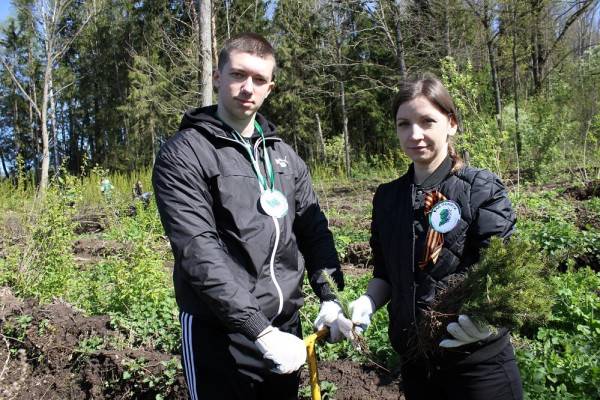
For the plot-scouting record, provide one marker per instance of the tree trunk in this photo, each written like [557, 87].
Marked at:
[44, 130]
[515, 71]
[227, 18]
[74, 152]
[213, 24]
[32, 104]
[516, 82]
[399, 42]
[52, 116]
[535, 50]
[3, 164]
[205, 52]
[345, 129]
[447, 27]
[495, 84]
[320, 137]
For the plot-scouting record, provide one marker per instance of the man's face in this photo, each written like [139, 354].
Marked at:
[243, 85]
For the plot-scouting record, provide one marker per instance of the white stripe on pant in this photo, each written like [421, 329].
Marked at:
[188, 353]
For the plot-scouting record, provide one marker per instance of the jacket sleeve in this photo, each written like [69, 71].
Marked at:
[379, 269]
[314, 238]
[491, 208]
[185, 206]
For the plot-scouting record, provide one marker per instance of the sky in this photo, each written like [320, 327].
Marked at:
[6, 9]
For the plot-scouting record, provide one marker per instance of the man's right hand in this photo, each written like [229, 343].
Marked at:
[287, 351]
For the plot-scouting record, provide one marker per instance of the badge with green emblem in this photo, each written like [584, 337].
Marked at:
[444, 216]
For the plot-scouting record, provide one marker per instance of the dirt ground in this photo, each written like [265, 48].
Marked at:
[43, 356]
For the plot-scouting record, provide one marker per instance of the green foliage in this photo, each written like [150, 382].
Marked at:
[142, 378]
[479, 134]
[328, 390]
[549, 220]
[563, 361]
[508, 286]
[43, 265]
[16, 327]
[90, 345]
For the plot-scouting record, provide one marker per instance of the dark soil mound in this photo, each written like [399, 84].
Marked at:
[357, 382]
[359, 254]
[90, 221]
[46, 354]
[591, 189]
[55, 352]
[90, 249]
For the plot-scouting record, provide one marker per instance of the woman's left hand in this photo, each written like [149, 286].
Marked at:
[464, 332]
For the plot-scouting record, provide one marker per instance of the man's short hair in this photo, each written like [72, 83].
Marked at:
[247, 42]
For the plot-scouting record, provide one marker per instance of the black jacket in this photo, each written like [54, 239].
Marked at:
[485, 211]
[208, 195]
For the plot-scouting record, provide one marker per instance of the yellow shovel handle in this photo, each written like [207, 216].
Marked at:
[311, 356]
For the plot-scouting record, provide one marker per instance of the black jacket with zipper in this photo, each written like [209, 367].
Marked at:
[485, 212]
[208, 199]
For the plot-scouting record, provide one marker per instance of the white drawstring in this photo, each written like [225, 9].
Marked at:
[272, 268]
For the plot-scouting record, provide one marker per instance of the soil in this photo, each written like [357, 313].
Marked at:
[589, 190]
[44, 355]
[359, 254]
[357, 382]
[92, 249]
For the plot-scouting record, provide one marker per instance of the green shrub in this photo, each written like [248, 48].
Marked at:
[42, 265]
[563, 361]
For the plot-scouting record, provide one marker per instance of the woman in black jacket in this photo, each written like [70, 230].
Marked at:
[428, 225]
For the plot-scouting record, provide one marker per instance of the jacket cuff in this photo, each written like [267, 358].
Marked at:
[255, 325]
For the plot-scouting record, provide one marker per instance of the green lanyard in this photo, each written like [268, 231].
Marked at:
[263, 183]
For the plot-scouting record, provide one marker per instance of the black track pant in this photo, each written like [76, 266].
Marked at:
[218, 366]
[494, 379]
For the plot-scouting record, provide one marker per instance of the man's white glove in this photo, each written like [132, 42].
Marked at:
[361, 310]
[287, 351]
[464, 332]
[331, 315]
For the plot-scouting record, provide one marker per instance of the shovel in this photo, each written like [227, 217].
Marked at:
[311, 355]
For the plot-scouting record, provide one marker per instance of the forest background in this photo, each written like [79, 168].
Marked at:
[105, 82]
[90, 89]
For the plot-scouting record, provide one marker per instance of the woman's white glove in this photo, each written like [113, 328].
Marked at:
[287, 351]
[464, 332]
[361, 310]
[331, 315]
[378, 293]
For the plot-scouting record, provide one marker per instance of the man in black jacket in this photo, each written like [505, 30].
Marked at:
[237, 205]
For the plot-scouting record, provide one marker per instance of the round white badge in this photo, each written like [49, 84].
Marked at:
[274, 203]
[444, 216]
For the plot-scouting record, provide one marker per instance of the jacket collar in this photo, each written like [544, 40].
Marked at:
[436, 177]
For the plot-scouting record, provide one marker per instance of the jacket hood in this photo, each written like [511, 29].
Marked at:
[205, 119]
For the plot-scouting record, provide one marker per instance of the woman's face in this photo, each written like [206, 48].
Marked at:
[423, 130]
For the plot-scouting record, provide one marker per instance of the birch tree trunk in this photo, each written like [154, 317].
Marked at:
[206, 52]
[48, 16]
[52, 116]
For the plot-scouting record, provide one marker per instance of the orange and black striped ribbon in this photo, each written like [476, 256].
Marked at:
[434, 240]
